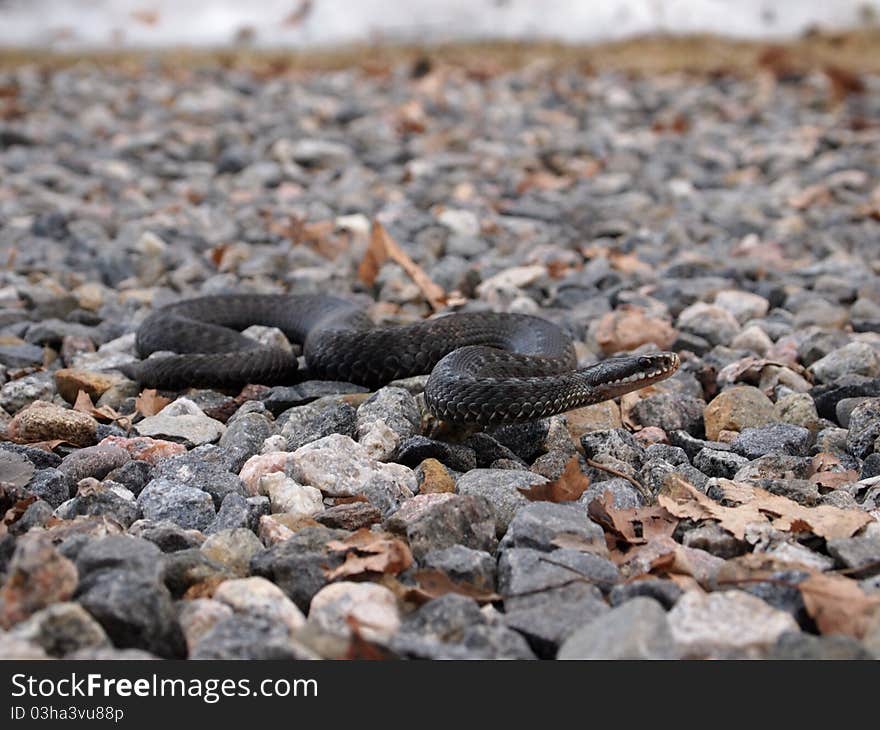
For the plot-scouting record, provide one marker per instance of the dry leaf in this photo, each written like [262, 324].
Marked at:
[370, 552]
[361, 648]
[434, 583]
[84, 405]
[635, 526]
[838, 605]
[755, 505]
[567, 488]
[149, 403]
[381, 248]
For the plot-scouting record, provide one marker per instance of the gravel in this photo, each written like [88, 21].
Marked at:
[638, 213]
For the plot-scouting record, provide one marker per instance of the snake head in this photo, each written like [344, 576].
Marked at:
[618, 375]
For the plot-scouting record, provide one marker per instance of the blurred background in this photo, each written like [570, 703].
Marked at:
[66, 24]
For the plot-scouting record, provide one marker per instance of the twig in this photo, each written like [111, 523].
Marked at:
[632, 480]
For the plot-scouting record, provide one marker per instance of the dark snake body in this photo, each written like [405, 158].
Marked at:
[485, 367]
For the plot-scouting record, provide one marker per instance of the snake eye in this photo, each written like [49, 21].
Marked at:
[645, 362]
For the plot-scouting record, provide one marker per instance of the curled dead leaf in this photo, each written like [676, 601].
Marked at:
[434, 583]
[149, 402]
[838, 605]
[383, 247]
[567, 488]
[370, 552]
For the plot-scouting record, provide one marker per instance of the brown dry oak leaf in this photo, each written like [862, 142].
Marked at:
[634, 526]
[149, 403]
[370, 552]
[838, 605]
[567, 488]
[755, 505]
[433, 583]
[102, 413]
[382, 247]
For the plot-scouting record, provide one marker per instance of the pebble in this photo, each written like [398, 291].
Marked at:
[298, 564]
[21, 392]
[204, 469]
[704, 253]
[243, 636]
[186, 572]
[243, 437]
[182, 421]
[637, 629]
[305, 424]
[341, 467]
[166, 535]
[541, 525]
[70, 382]
[93, 461]
[198, 616]
[50, 485]
[736, 408]
[729, 623]
[864, 428]
[370, 607]
[233, 548]
[135, 610]
[713, 323]
[501, 487]
[61, 629]
[854, 358]
[37, 576]
[598, 417]
[385, 420]
[43, 421]
[670, 411]
[188, 507]
[434, 521]
[258, 597]
[285, 495]
[434, 478]
[463, 564]
[773, 438]
[350, 516]
[15, 469]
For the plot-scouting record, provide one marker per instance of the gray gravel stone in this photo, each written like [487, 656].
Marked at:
[435, 521]
[305, 424]
[637, 629]
[854, 358]
[539, 524]
[188, 507]
[244, 436]
[93, 461]
[860, 554]
[50, 485]
[195, 469]
[774, 438]
[723, 464]
[136, 611]
[864, 428]
[463, 564]
[298, 565]
[501, 487]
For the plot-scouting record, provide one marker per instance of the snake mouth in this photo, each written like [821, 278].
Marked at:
[618, 375]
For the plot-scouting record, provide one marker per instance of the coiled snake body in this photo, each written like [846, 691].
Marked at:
[486, 368]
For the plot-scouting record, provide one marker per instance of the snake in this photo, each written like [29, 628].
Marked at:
[485, 368]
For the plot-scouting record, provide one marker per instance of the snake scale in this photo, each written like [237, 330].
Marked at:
[485, 368]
